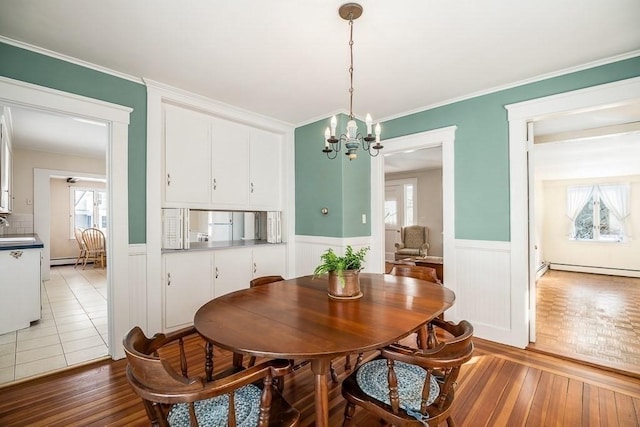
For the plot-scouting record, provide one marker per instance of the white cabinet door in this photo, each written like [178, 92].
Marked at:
[19, 288]
[230, 142]
[265, 170]
[187, 156]
[268, 260]
[233, 270]
[188, 284]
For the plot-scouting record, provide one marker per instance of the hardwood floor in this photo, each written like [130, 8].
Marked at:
[500, 386]
[590, 317]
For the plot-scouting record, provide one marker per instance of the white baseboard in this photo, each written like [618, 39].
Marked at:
[595, 270]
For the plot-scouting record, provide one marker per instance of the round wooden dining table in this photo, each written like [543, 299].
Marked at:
[296, 319]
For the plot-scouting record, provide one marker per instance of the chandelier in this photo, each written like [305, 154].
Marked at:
[352, 139]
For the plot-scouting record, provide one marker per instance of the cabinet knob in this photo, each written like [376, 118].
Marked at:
[215, 184]
[168, 179]
[255, 267]
[252, 188]
[16, 254]
[168, 279]
[217, 272]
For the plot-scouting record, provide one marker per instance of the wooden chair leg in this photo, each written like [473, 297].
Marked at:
[349, 411]
[332, 371]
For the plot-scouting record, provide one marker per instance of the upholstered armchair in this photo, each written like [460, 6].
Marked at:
[414, 242]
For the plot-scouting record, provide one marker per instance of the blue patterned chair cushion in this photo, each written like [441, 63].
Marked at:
[213, 412]
[372, 379]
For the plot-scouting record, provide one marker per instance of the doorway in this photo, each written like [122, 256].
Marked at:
[523, 241]
[400, 210]
[444, 138]
[16, 93]
[585, 169]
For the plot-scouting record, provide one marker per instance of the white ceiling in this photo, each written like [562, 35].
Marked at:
[289, 60]
[40, 131]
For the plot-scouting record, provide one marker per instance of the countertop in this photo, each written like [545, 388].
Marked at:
[9, 246]
[208, 246]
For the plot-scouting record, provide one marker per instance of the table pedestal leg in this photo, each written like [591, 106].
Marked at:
[320, 369]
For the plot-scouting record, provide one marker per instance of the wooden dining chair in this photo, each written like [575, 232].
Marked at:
[417, 272]
[410, 386]
[172, 397]
[94, 243]
[425, 335]
[82, 249]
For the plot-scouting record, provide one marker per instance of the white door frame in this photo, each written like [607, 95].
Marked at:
[444, 137]
[593, 98]
[22, 94]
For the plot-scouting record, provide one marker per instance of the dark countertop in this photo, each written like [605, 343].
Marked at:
[208, 246]
[11, 245]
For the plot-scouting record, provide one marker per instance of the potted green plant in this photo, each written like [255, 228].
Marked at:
[344, 272]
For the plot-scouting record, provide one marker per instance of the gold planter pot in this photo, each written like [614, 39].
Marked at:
[351, 288]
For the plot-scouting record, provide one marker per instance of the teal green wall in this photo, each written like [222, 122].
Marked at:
[340, 185]
[31, 67]
[481, 150]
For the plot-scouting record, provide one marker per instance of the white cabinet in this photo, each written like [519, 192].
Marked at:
[215, 163]
[268, 260]
[187, 156]
[233, 270]
[188, 284]
[192, 278]
[19, 288]
[230, 168]
[265, 171]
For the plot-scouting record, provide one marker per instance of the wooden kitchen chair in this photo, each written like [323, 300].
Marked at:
[94, 247]
[417, 272]
[426, 334]
[82, 249]
[411, 387]
[171, 397]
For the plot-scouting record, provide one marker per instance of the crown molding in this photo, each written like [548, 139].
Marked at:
[211, 106]
[70, 59]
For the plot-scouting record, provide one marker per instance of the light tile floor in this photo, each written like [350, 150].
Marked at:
[72, 330]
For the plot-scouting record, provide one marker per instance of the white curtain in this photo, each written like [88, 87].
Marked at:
[577, 197]
[616, 197]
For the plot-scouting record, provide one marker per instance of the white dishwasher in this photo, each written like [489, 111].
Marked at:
[19, 288]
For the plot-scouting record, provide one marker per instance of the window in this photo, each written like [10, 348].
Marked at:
[598, 212]
[88, 209]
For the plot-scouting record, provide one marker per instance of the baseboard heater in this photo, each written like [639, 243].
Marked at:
[595, 270]
[62, 261]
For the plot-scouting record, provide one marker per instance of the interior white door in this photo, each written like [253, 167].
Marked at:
[393, 218]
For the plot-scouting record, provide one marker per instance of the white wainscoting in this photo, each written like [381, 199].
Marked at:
[138, 287]
[309, 248]
[483, 288]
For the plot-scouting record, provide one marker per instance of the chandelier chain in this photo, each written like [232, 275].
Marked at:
[351, 66]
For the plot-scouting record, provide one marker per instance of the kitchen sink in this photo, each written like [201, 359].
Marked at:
[15, 239]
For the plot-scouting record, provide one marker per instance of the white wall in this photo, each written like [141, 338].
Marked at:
[429, 204]
[558, 249]
[24, 161]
